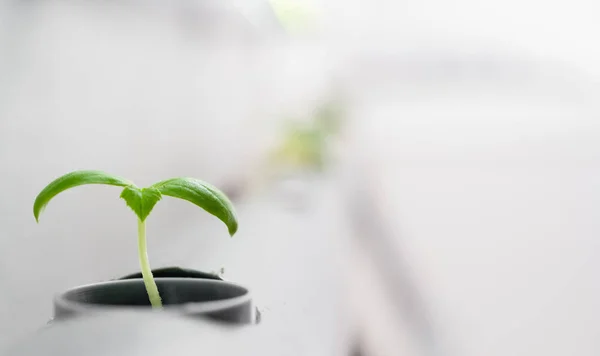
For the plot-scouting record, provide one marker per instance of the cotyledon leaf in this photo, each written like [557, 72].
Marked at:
[74, 179]
[141, 201]
[203, 195]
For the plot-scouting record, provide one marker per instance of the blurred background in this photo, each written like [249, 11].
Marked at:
[411, 178]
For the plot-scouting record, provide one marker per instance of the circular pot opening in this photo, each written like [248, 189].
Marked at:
[174, 291]
[176, 272]
[196, 297]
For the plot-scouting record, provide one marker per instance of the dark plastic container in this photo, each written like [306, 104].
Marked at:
[188, 292]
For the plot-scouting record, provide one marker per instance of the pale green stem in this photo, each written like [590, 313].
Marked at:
[149, 282]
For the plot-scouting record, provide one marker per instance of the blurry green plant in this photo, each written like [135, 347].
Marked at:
[142, 201]
[305, 144]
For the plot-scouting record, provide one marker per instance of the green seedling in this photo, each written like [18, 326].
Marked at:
[142, 201]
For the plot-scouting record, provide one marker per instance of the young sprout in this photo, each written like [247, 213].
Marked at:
[141, 201]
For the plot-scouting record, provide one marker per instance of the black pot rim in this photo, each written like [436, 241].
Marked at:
[197, 307]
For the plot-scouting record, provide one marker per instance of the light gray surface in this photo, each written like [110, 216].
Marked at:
[491, 191]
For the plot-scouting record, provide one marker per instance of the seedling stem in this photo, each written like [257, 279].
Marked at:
[151, 288]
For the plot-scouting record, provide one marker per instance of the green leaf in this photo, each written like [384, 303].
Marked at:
[141, 201]
[203, 195]
[71, 180]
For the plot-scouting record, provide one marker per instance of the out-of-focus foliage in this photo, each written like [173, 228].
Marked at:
[304, 144]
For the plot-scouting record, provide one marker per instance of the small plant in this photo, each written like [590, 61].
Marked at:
[142, 201]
